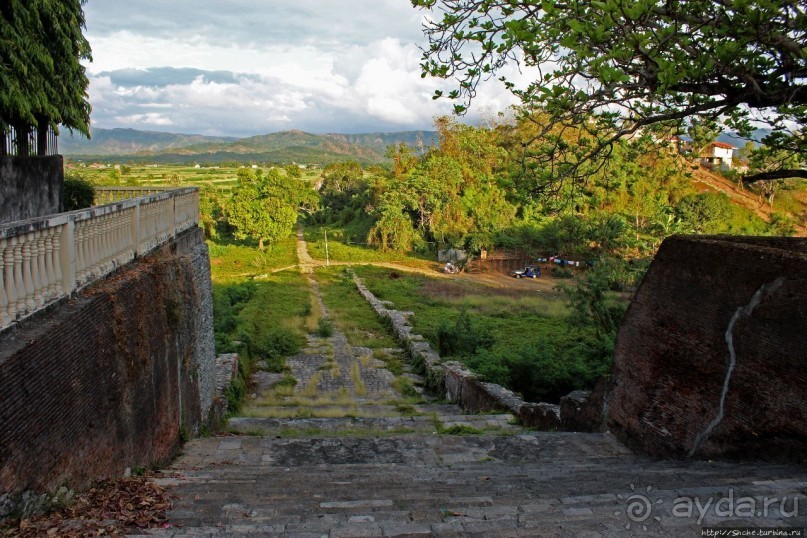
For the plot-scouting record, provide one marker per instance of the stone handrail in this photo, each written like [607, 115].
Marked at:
[45, 259]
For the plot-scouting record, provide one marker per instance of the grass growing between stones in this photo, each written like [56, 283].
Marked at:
[392, 362]
[358, 382]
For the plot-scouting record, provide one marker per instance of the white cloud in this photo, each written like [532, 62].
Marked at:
[151, 118]
[315, 65]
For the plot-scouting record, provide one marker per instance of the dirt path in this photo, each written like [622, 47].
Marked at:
[494, 279]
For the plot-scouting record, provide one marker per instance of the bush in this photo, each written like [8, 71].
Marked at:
[227, 303]
[275, 344]
[325, 327]
[463, 338]
[542, 372]
[78, 193]
[562, 272]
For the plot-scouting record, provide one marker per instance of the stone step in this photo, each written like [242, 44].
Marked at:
[373, 426]
[535, 484]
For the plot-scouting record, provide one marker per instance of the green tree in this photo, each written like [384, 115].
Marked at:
[293, 171]
[614, 68]
[265, 207]
[393, 230]
[43, 81]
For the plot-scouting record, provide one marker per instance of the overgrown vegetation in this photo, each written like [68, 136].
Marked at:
[473, 191]
[77, 193]
[263, 320]
[350, 311]
[542, 346]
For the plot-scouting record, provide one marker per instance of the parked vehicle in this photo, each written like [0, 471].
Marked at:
[530, 271]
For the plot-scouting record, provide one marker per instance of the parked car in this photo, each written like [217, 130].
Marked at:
[530, 271]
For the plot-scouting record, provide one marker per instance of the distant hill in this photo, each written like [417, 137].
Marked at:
[284, 147]
[739, 143]
[130, 141]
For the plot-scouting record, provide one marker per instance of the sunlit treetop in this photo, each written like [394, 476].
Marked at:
[621, 67]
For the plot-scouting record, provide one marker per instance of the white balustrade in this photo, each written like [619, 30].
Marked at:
[43, 260]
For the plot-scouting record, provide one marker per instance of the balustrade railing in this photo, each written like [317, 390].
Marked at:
[45, 259]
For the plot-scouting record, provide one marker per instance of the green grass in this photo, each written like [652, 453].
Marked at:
[512, 318]
[261, 321]
[342, 250]
[349, 311]
[235, 261]
[533, 347]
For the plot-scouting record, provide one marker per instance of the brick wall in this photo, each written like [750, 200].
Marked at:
[108, 380]
[673, 358]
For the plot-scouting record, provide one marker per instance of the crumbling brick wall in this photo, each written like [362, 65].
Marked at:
[711, 359]
[108, 380]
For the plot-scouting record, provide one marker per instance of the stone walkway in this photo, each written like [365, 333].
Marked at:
[349, 448]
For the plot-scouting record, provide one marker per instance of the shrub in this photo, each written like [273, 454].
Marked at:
[325, 327]
[463, 338]
[275, 344]
[78, 193]
[562, 272]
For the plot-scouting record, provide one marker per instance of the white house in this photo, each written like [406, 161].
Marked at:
[717, 154]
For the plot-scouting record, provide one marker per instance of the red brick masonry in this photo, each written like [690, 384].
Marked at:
[105, 382]
[701, 297]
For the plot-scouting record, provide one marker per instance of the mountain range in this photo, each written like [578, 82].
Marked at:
[131, 145]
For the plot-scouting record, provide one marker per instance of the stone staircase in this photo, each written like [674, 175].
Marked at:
[346, 444]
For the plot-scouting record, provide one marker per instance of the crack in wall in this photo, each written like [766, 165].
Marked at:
[743, 311]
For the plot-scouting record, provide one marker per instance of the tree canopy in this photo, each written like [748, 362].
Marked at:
[610, 69]
[43, 82]
[265, 207]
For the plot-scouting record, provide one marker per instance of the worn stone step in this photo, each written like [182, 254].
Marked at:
[537, 484]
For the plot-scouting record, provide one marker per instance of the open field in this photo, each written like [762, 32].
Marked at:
[219, 178]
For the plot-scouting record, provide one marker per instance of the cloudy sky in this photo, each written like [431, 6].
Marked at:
[245, 67]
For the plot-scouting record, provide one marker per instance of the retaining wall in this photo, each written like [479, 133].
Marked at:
[112, 379]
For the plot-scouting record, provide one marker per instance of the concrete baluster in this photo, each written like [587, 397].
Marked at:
[34, 296]
[40, 261]
[118, 239]
[106, 244]
[5, 317]
[114, 239]
[67, 245]
[98, 246]
[134, 230]
[50, 263]
[86, 259]
[45, 256]
[56, 260]
[78, 246]
[37, 261]
[27, 277]
[10, 283]
[92, 250]
[142, 231]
